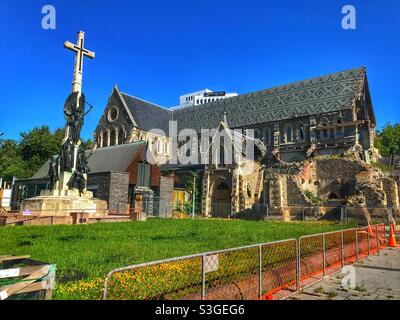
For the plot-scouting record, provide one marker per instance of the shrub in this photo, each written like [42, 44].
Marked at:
[314, 199]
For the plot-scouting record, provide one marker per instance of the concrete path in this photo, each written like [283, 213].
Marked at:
[377, 277]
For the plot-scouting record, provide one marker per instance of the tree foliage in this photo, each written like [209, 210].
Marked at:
[188, 205]
[388, 140]
[22, 158]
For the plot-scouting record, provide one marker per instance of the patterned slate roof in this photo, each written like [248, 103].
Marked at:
[108, 159]
[323, 94]
[146, 114]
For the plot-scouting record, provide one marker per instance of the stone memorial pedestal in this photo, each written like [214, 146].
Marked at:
[63, 203]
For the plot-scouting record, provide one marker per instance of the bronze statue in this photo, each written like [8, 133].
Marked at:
[78, 180]
[82, 161]
[53, 171]
[67, 155]
[74, 111]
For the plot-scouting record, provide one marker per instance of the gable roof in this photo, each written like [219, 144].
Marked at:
[323, 94]
[147, 115]
[108, 159]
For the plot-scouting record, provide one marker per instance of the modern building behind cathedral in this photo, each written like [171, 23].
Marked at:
[323, 116]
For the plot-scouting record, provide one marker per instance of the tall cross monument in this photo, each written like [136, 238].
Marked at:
[70, 169]
[80, 53]
[67, 193]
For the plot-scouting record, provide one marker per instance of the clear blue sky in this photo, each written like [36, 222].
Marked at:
[158, 50]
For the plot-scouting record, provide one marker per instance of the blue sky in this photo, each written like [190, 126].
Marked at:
[158, 50]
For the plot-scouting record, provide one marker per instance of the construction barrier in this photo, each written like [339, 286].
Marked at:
[266, 271]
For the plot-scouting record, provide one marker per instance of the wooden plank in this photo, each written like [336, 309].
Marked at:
[4, 294]
[18, 272]
[37, 286]
[10, 258]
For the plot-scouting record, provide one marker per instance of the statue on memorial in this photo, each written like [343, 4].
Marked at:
[53, 171]
[67, 155]
[82, 161]
[74, 111]
[78, 181]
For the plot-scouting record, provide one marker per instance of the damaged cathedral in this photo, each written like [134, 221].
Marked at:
[314, 145]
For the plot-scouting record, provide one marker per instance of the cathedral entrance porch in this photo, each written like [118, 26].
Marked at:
[221, 201]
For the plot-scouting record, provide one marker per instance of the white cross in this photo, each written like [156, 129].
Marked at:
[80, 52]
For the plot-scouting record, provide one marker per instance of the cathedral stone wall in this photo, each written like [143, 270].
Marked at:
[295, 194]
[119, 186]
[111, 187]
[99, 183]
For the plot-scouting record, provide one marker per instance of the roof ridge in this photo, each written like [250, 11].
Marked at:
[119, 145]
[154, 104]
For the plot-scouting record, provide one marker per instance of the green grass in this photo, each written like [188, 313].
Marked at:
[83, 252]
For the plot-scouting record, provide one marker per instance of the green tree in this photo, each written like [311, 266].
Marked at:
[38, 145]
[24, 157]
[87, 144]
[11, 162]
[388, 140]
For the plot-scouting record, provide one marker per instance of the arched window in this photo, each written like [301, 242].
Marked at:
[105, 139]
[248, 191]
[288, 134]
[166, 147]
[222, 152]
[318, 135]
[301, 136]
[266, 136]
[222, 186]
[121, 136]
[339, 128]
[113, 137]
[324, 123]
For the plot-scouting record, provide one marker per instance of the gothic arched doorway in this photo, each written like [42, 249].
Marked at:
[221, 201]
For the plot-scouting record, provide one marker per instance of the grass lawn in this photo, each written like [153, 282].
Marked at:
[84, 254]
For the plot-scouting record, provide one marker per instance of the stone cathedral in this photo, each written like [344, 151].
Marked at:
[314, 145]
[318, 136]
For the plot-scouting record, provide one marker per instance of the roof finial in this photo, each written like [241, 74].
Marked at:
[225, 119]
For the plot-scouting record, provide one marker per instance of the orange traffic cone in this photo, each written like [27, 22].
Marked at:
[392, 239]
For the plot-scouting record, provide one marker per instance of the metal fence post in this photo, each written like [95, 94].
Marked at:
[377, 239]
[260, 273]
[342, 247]
[324, 254]
[203, 281]
[341, 214]
[298, 257]
[267, 211]
[302, 213]
[356, 244]
[368, 242]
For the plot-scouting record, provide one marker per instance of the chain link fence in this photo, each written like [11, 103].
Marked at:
[155, 207]
[273, 270]
[342, 213]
